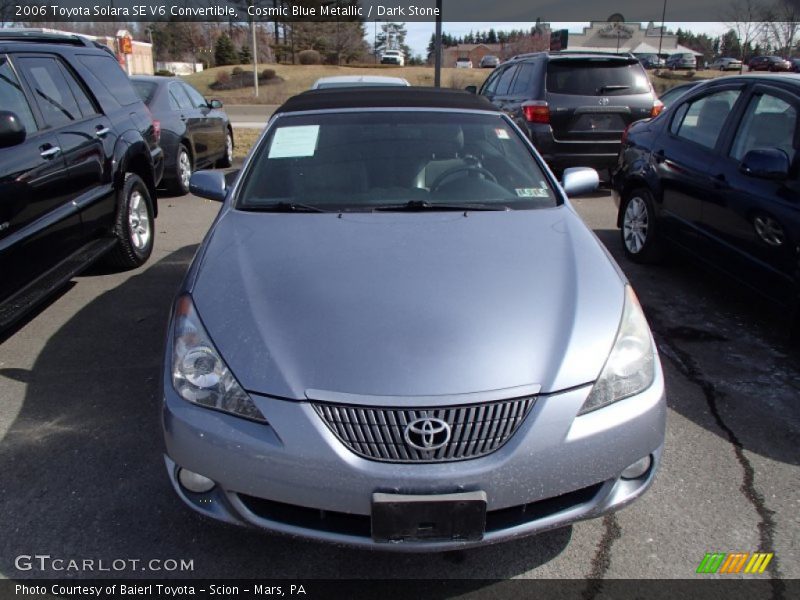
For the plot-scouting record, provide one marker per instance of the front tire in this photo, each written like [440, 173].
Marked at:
[639, 230]
[133, 226]
[227, 159]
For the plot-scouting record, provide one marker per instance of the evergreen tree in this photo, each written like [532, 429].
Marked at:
[244, 55]
[224, 52]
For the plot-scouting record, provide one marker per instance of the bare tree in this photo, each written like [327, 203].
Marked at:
[744, 17]
[6, 12]
[781, 25]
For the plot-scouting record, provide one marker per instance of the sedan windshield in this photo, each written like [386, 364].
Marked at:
[400, 160]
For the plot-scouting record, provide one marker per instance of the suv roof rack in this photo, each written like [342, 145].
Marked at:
[604, 52]
[22, 34]
[608, 52]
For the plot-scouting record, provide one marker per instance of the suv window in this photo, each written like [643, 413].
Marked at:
[12, 97]
[491, 84]
[701, 121]
[504, 83]
[50, 89]
[769, 122]
[81, 97]
[195, 96]
[596, 77]
[524, 81]
[112, 77]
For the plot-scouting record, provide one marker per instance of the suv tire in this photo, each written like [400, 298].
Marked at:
[133, 226]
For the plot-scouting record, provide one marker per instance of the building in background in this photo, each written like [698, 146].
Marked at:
[618, 36]
[135, 57]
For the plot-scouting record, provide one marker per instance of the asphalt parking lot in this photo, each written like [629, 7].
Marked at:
[83, 475]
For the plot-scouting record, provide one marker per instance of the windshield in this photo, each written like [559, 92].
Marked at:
[596, 77]
[382, 159]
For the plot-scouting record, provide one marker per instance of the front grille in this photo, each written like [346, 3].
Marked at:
[383, 434]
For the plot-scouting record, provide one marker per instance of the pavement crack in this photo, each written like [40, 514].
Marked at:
[601, 561]
[688, 366]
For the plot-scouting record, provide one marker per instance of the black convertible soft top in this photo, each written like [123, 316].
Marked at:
[385, 97]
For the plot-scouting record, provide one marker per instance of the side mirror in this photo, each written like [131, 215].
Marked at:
[209, 184]
[578, 181]
[215, 103]
[472, 89]
[765, 163]
[12, 131]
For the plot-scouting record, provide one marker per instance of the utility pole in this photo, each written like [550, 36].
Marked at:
[437, 49]
[661, 32]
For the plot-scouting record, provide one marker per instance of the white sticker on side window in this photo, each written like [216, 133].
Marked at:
[294, 142]
[502, 134]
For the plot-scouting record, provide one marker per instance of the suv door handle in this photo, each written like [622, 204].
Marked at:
[102, 131]
[49, 152]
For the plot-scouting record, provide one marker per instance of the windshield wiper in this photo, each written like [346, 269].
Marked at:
[287, 207]
[611, 88]
[424, 205]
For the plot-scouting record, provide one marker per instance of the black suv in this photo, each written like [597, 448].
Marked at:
[574, 106]
[79, 165]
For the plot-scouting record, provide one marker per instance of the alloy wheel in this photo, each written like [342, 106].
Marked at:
[139, 220]
[635, 225]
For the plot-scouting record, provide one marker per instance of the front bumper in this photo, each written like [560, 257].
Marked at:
[293, 476]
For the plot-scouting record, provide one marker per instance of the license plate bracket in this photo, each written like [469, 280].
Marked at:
[414, 517]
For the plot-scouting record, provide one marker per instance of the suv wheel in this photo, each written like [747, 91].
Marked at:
[183, 172]
[639, 238]
[133, 226]
[227, 159]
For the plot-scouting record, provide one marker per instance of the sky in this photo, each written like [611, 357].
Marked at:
[419, 34]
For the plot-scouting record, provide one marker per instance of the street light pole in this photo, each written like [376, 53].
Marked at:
[437, 47]
[661, 32]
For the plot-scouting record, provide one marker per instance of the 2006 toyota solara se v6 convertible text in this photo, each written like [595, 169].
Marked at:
[399, 334]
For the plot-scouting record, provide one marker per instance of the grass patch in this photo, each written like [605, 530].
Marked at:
[243, 140]
[299, 78]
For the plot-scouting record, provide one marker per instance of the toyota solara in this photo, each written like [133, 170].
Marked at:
[399, 334]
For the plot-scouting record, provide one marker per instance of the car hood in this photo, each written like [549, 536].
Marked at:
[408, 304]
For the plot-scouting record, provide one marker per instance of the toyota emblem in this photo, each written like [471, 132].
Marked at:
[427, 433]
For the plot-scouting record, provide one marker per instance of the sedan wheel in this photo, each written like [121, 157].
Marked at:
[638, 227]
[180, 177]
[184, 168]
[769, 230]
[227, 159]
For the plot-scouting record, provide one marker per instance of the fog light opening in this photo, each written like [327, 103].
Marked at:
[194, 482]
[637, 469]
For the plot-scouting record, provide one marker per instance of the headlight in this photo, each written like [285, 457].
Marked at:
[630, 367]
[199, 374]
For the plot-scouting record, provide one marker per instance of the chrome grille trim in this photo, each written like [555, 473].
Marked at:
[377, 433]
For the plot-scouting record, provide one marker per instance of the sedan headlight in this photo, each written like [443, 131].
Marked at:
[630, 367]
[199, 374]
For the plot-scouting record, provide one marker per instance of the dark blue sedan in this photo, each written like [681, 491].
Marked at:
[195, 132]
[716, 174]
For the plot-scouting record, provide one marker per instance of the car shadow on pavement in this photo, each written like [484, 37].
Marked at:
[83, 474]
[729, 342]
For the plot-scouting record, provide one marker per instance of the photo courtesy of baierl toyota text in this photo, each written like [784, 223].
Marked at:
[344, 299]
